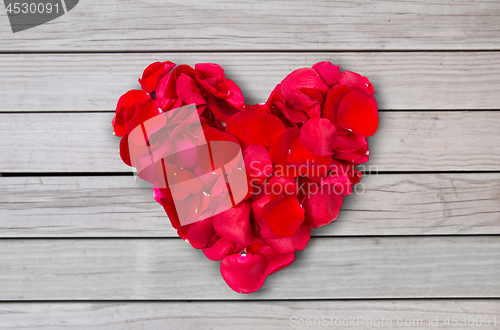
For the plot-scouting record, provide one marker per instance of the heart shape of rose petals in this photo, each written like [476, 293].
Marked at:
[298, 152]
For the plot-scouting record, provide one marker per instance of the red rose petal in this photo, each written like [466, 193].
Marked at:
[166, 87]
[124, 151]
[306, 163]
[200, 233]
[296, 242]
[356, 81]
[142, 112]
[352, 148]
[295, 116]
[280, 185]
[125, 101]
[222, 109]
[235, 98]
[207, 179]
[188, 90]
[329, 73]
[263, 129]
[279, 151]
[283, 215]
[310, 100]
[257, 207]
[220, 149]
[244, 273]
[302, 78]
[219, 249]
[277, 261]
[258, 164]
[319, 136]
[333, 99]
[153, 73]
[169, 208]
[236, 125]
[358, 113]
[179, 178]
[234, 224]
[210, 70]
[321, 206]
[341, 183]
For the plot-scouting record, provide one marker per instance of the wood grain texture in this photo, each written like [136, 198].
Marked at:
[121, 269]
[245, 314]
[418, 81]
[405, 141]
[396, 204]
[263, 25]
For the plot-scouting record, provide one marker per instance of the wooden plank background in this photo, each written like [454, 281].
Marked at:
[148, 25]
[403, 80]
[83, 246]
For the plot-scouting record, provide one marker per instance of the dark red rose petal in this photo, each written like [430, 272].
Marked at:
[280, 185]
[319, 136]
[329, 73]
[356, 81]
[207, 179]
[310, 100]
[235, 98]
[222, 109]
[256, 244]
[219, 249]
[236, 125]
[358, 113]
[341, 183]
[306, 163]
[153, 73]
[296, 242]
[141, 112]
[333, 99]
[178, 177]
[353, 149]
[283, 215]
[263, 129]
[217, 149]
[258, 164]
[302, 78]
[200, 233]
[126, 100]
[321, 206]
[234, 224]
[169, 207]
[293, 115]
[277, 261]
[124, 151]
[188, 90]
[210, 70]
[257, 207]
[280, 150]
[244, 273]
[166, 87]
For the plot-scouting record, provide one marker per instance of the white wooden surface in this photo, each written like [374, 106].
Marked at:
[115, 206]
[81, 246]
[247, 315]
[406, 141]
[329, 268]
[402, 80]
[151, 25]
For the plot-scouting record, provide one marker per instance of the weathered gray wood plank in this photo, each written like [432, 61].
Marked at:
[405, 141]
[248, 314]
[390, 267]
[81, 82]
[263, 25]
[396, 204]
